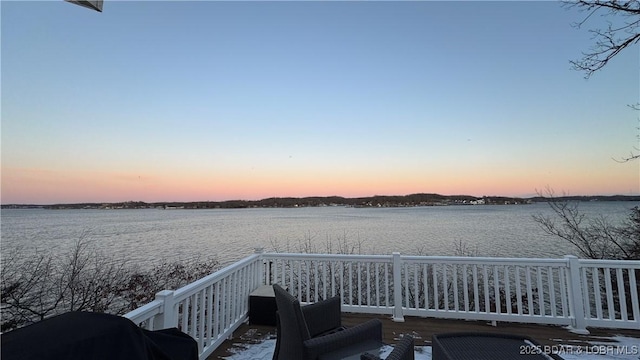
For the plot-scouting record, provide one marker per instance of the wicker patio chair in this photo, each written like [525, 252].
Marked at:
[402, 351]
[306, 332]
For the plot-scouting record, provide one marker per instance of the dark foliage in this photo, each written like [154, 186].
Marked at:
[36, 285]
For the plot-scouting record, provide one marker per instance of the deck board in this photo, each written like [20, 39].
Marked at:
[423, 328]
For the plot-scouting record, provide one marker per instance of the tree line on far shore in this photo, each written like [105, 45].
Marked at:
[319, 201]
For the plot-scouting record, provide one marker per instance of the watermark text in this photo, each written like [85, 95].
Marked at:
[529, 349]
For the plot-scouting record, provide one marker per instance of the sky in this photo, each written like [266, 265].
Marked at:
[210, 101]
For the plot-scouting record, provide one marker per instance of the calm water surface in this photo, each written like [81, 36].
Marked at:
[150, 235]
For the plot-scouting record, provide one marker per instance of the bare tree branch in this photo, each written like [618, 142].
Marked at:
[595, 238]
[611, 41]
[635, 153]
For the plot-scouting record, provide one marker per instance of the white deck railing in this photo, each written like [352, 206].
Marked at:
[569, 291]
[209, 309]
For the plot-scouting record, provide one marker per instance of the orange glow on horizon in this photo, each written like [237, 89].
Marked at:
[41, 186]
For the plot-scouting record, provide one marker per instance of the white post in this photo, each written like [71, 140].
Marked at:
[397, 288]
[262, 273]
[576, 304]
[168, 318]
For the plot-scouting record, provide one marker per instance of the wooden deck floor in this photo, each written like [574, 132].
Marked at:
[422, 330]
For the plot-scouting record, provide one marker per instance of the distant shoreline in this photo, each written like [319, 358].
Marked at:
[316, 201]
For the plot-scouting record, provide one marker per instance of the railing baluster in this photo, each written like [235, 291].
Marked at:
[325, 278]
[476, 289]
[359, 284]
[530, 307]
[465, 286]
[552, 291]
[541, 310]
[224, 304]
[518, 290]
[564, 292]
[234, 296]
[425, 281]
[201, 321]
[341, 285]
[368, 284]
[298, 279]
[316, 278]
[185, 315]
[445, 288]
[610, 304]
[377, 286]
[621, 295]
[507, 289]
[456, 304]
[586, 297]
[228, 302]
[633, 290]
[307, 282]
[434, 276]
[240, 281]
[291, 286]
[216, 310]
[239, 293]
[487, 306]
[333, 276]
[210, 317]
[416, 289]
[350, 282]
[283, 272]
[405, 269]
[193, 325]
[384, 285]
[595, 276]
[359, 287]
[496, 289]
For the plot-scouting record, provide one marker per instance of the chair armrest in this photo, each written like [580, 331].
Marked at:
[323, 316]
[370, 330]
[404, 349]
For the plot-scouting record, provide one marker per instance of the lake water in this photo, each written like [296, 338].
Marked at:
[151, 235]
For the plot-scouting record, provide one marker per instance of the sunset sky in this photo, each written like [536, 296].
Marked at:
[206, 100]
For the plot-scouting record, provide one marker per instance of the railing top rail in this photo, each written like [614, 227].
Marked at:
[440, 259]
[341, 257]
[631, 264]
[628, 264]
[485, 260]
[144, 312]
[198, 285]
